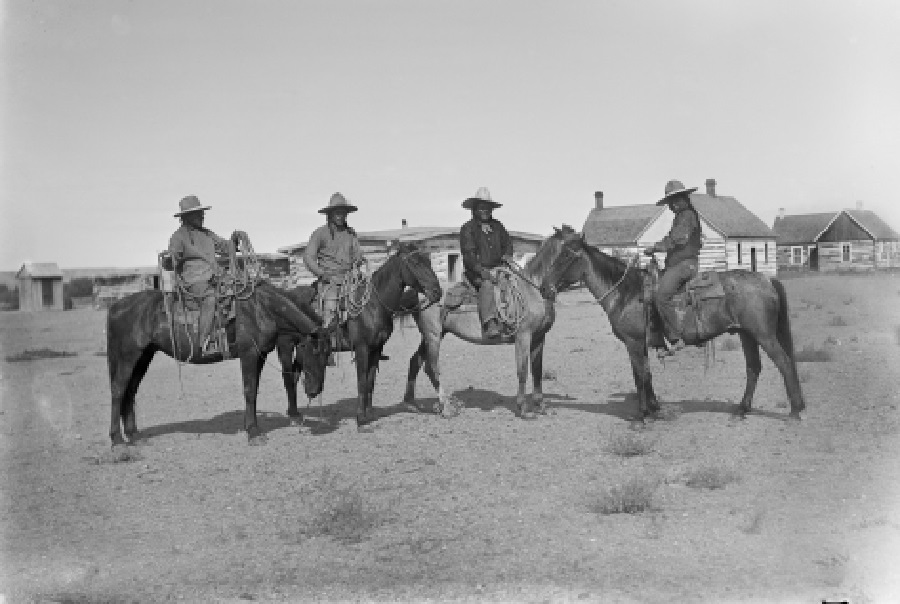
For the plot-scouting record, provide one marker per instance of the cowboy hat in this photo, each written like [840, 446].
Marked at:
[481, 196]
[674, 188]
[190, 204]
[338, 202]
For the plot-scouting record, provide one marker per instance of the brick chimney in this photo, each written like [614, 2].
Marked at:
[859, 205]
[781, 213]
[403, 223]
[598, 200]
[711, 187]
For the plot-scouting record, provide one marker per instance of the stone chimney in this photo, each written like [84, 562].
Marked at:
[711, 187]
[403, 223]
[859, 205]
[781, 213]
[598, 200]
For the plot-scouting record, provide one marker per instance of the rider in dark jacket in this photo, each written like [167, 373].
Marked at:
[682, 248]
[485, 244]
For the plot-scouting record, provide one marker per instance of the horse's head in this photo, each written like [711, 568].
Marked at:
[564, 270]
[312, 352]
[416, 272]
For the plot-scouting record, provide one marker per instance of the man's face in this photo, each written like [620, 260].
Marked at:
[483, 211]
[338, 217]
[194, 219]
[677, 204]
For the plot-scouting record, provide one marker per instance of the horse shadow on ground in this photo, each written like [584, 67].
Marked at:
[624, 406]
[317, 420]
[488, 400]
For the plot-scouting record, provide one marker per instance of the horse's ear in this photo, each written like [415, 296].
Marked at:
[556, 231]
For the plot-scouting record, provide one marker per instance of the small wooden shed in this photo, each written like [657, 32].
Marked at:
[40, 286]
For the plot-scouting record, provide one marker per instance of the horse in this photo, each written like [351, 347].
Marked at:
[369, 328]
[137, 327]
[536, 320]
[754, 306]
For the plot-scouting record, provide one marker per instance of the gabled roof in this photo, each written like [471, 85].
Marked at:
[39, 270]
[801, 228]
[619, 225]
[807, 228]
[729, 216]
[410, 235]
[872, 223]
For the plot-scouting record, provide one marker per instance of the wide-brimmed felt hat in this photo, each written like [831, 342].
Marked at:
[338, 202]
[673, 189]
[190, 204]
[481, 196]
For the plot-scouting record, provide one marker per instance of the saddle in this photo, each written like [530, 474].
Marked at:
[183, 309]
[699, 306]
[463, 297]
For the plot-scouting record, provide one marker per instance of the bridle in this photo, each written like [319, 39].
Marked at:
[403, 310]
[573, 256]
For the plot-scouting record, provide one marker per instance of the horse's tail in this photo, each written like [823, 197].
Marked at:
[783, 328]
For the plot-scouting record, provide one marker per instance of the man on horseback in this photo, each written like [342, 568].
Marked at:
[332, 252]
[682, 247]
[193, 249]
[485, 244]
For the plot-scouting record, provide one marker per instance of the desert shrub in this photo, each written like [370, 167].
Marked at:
[337, 511]
[811, 354]
[838, 321]
[548, 374]
[848, 301]
[628, 444]
[38, 353]
[832, 341]
[731, 343]
[754, 523]
[632, 496]
[710, 477]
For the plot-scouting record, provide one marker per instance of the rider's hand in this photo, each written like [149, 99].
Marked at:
[487, 276]
[508, 259]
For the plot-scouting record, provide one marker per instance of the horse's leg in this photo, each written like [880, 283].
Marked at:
[523, 350]
[363, 359]
[250, 370]
[121, 369]
[128, 414]
[290, 374]
[754, 368]
[375, 354]
[537, 374]
[788, 371]
[643, 379]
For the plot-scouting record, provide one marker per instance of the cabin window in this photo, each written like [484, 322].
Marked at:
[884, 251]
[845, 252]
[740, 260]
[796, 255]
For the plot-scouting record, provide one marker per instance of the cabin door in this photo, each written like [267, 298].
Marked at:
[753, 259]
[47, 292]
[452, 268]
[814, 258]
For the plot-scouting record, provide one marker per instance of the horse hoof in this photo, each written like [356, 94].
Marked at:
[411, 407]
[365, 428]
[296, 422]
[256, 440]
[794, 416]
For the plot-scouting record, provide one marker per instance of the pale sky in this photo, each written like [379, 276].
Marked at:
[111, 111]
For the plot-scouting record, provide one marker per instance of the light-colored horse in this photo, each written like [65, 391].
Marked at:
[537, 316]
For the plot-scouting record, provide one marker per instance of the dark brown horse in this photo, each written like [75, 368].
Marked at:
[754, 307]
[369, 330]
[137, 327]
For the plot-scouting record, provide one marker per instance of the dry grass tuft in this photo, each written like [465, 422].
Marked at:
[754, 524]
[838, 321]
[629, 444]
[548, 374]
[633, 496]
[710, 477]
[811, 354]
[337, 511]
[37, 354]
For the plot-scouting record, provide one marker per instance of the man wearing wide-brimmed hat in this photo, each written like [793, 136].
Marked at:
[332, 252]
[193, 249]
[682, 248]
[485, 244]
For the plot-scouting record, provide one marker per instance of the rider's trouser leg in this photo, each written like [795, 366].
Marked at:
[206, 295]
[670, 282]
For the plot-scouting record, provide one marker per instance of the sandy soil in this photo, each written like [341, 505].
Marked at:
[482, 507]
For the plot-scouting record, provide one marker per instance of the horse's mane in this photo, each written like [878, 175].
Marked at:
[539, 264]
[611, 268]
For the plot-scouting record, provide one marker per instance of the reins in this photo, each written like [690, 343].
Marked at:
[628, 266]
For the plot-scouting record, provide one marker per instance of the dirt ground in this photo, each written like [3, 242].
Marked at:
[484, 507]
